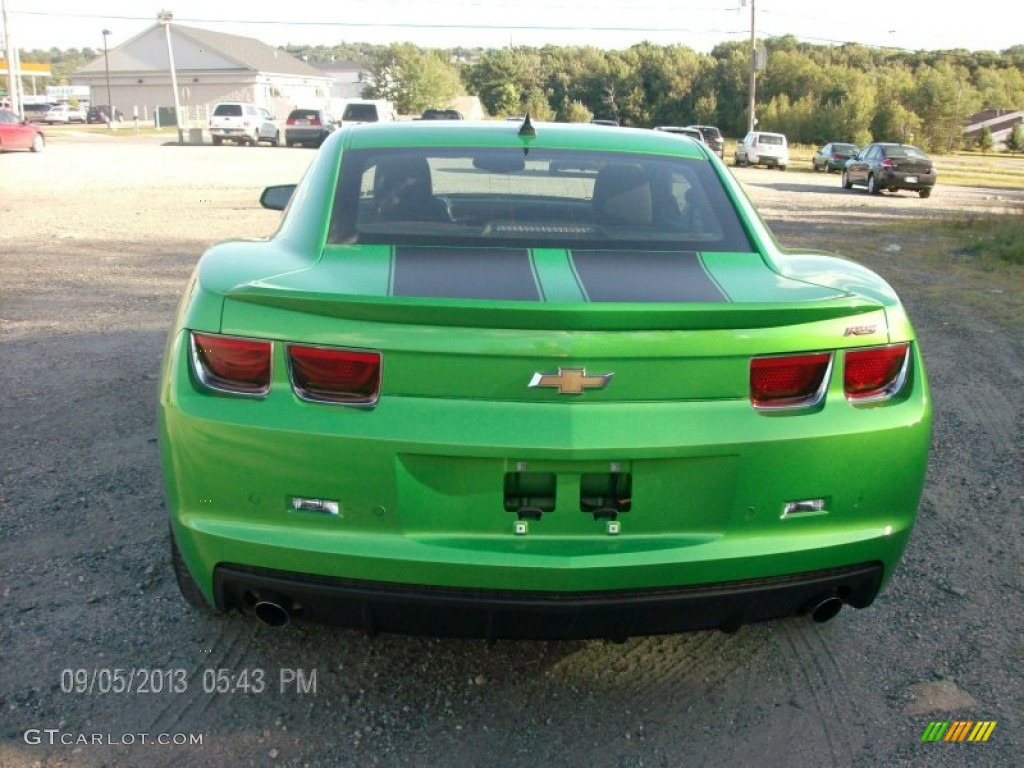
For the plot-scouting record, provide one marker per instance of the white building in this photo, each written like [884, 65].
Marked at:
[209, 66]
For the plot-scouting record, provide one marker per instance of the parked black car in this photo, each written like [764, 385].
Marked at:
[101, 114]
[885, 165]
[441, 114]
[712, 137]
[308, 127]
[833, 156]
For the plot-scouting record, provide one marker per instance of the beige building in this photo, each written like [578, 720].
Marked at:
[209, 66]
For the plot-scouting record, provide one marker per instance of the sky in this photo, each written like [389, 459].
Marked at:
[698, 24]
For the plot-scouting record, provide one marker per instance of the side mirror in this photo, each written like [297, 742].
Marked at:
[276, 198]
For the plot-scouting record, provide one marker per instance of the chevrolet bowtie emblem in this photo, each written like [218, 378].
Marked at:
[571, 381]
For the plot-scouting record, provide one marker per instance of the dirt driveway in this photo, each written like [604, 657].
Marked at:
[97, 239]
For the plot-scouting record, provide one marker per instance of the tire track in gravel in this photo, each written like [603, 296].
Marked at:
[813, 659]
[233, 640]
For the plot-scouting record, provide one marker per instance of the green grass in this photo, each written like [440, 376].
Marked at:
[987, 236]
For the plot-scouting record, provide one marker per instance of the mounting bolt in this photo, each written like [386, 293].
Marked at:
[613, 527]
[521, 528]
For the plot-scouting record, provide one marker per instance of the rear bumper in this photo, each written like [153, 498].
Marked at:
[902, 181]
[495, 614]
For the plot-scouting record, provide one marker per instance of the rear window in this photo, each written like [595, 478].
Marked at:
[304, 114]
[366, 113]
[550, 198]
[771, 138]
[904, 151]
[228, 110]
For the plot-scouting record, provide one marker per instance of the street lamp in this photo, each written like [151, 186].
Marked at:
[106, 64]
[165, 18]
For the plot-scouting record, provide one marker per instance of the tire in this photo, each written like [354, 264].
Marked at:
[186, 584]
[39, 143]
[816, 169]
[276, 141]
[782, 168]
[847, 184]
[872, 188]
[217, 141]
[926, 192]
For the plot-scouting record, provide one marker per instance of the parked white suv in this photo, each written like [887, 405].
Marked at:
[761, 148]
[64, 113]
[243, 124]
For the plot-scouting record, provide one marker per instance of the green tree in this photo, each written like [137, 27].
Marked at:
[1015, 141]
[577, 112]
[985, 140]
[537, 106]
[499, 78]
[413, 79]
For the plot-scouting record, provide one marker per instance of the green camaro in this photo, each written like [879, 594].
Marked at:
[535, 380]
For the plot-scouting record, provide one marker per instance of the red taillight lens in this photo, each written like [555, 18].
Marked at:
[789, 381]
[876, 372]
[231, 364]
[887, 163]
[314, 120]
[335, 375]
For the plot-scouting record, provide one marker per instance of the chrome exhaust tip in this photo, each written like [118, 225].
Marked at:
[825, 608]
[271, 610]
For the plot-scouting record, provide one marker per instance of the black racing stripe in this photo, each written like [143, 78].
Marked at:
[502, 274]
[629, 276]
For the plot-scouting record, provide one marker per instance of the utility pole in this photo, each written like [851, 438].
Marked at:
[111, 112]
[165, 18]
[751, 119]
[13, 65]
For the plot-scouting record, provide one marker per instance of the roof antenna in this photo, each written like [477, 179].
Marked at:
[527, 129]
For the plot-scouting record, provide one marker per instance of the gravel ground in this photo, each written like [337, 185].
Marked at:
[99, 235]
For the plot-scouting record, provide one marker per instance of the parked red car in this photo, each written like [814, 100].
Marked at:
[16, 133]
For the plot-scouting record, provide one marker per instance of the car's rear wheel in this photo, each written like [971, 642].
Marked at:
[38, 143]
[847, 184]
[186, 584]
[217, 140]
[926, 192]
[873, 188]
[276, 140]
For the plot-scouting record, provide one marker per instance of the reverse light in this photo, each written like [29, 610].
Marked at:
[789, 381]
[327, 374]
[875, 373]
[231, 364]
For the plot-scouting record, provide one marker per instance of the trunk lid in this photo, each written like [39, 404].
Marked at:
[580, 330]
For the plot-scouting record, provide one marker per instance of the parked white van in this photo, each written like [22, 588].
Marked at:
[762, 148]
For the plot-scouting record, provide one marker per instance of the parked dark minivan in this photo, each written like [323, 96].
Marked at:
[308, 127]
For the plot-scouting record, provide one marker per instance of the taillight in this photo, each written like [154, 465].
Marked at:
[789, 381]
[875, 373]
[231, 364]
[887, 163]
[335, 375]
[314, 120]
